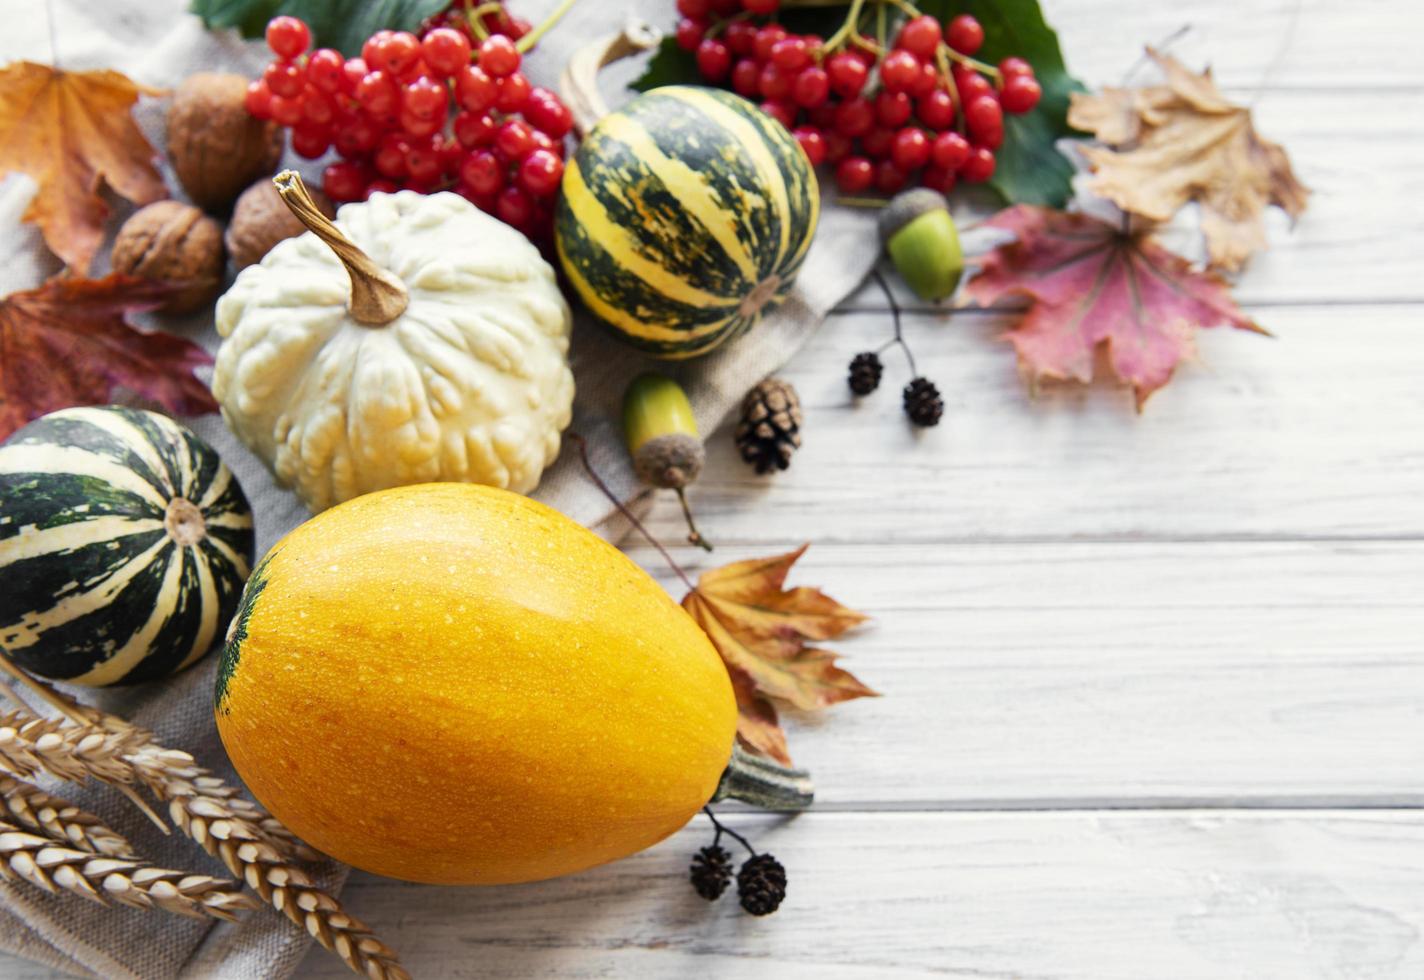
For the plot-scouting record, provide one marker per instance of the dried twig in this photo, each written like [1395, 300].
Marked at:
[30, 806]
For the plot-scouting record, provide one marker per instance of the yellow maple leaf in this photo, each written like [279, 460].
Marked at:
[1183, 141]
[761, 630]
[72, 131]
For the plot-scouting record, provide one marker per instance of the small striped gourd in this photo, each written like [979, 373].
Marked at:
[685, 216]
[124, 545]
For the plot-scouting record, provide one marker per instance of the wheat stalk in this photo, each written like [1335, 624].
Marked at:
[55, 867]
[45, 813]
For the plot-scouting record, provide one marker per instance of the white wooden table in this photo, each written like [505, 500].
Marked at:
[1154, 686]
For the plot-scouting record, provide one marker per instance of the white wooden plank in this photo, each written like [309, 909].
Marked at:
[1084, 895]
[1313, 433]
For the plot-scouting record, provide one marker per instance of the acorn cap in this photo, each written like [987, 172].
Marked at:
[907, 206]
[670, 461]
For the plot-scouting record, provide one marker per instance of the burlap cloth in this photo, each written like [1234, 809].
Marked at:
[156, 42]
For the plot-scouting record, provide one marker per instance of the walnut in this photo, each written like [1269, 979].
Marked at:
[217, 149]
[260, 220]
[176, 242]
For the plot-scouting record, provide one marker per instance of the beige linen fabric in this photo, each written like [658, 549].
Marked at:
[156, 42]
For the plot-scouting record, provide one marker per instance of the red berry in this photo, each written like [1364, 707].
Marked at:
[512, 91]
[949, 151]
[847, 73]
[285, 78]
[445, 50]
[287, 36]
[725, 8]
[740, 36]
[311, 141]
[420, 126]
[377, 94]
[344, 181]
[746, 78]
[548, 114]
[773, 83]
[426, 98]
[390, 156]
[352, 72]
[911, 149]
[813, 144]
[854, 174]
[482, 172]
[971, 85]
[540, 173]
[892, 108]
[513, 207]
[838, 146]
[401, 51]
[380, 186]
[877, 143]
[899, 70]
[474, 128]
[451, 153]
[326, 71]
[985, 120]
[258, 100]
[761, 8]
[1014, 65]
[515, 138]
[499, 56]
[854, 117]
[423, 161]
[355, 136]
[936, 110]
[888, 177]
[766, 38]
[980, 165]
[964, 34]
[695, 9]
[373, 52]
[714, 59]
[517, 27]
[811, 88]
[1021, 93]
[920, 36]
[543, 141]
[690, 33]
[474, 89]
[823, 116]
[286, 112]
[790, 54]
[782, 112]
[938, 179]
[316, 107]
[926, 82]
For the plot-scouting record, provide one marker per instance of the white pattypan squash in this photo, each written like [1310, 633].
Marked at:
[434, 349]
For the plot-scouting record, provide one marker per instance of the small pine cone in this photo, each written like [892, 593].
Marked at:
[711, 872]
[770, 428]
[923, 403]
[865, 371]
[761, 884]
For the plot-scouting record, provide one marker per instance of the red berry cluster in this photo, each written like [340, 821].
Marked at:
[440, 111]
[925, 107]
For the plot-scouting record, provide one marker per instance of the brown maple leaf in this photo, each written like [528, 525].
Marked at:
[1092, 283]
[72, 131]
[1183, 141]
[761, 630]
[67, 343]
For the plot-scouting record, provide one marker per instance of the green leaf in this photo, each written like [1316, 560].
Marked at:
[669, 65]
[340, 24]
[1030, 170]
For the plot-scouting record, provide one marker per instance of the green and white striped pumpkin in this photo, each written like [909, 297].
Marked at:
[124, 545]
[683, 217]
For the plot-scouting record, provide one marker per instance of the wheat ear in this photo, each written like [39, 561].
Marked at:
[31, 807]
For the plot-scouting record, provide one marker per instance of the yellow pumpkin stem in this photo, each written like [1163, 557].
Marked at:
[377, 297]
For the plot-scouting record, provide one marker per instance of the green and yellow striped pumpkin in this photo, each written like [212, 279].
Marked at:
[683, 217]
[124, 545]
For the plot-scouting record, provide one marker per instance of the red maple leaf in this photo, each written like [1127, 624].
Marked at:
[1092, 283]
[67, 343]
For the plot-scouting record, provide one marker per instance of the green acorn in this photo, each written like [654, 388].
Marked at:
[920, 236]
[662, 438]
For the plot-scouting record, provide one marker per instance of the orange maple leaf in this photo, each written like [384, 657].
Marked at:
[761, 630]
[72, 131]
[66, 343]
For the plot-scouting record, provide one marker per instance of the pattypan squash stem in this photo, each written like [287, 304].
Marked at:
[377, 297]
[578, 85]
[763, 783]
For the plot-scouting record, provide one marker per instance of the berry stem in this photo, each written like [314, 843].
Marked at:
[963, 59]
[532, 38]
[721, 25]
[476, 16]
[846, 30]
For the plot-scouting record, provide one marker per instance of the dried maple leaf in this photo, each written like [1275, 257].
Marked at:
[1092, 283]
[66, 343]
[72, 131]
[761, 630]
[1183, 141]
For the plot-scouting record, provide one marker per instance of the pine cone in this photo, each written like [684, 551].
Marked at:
[761, 884]
[923, 403]
[711, 872]
[770, 428]
[865, 371]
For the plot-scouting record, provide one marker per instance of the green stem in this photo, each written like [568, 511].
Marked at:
[532, 38]
[846, 29]
[763, 783]
[964, 59]
[476, 16]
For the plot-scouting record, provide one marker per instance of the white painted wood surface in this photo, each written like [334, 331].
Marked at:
[1154, 685]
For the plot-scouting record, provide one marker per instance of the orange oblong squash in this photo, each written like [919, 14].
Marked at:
[454, 684]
